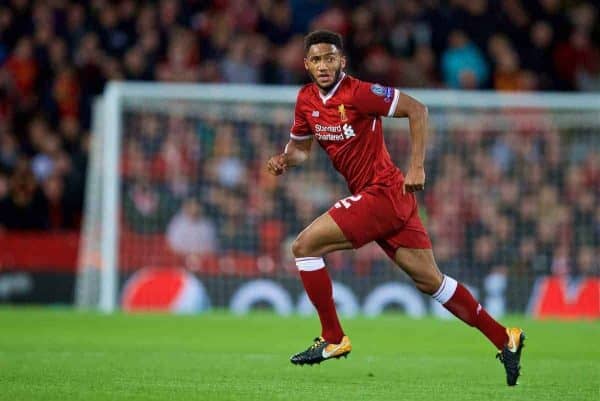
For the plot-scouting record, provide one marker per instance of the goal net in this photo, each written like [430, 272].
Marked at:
[182, 215]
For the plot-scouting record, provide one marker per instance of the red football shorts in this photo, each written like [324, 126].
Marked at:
[382, 214]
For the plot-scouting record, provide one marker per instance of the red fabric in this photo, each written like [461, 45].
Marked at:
[318, 286]
[348, 126]
[39, 251]
[58, 251]
[382, 214]
[466, 308]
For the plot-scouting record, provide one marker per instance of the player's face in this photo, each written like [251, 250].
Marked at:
[324, 64]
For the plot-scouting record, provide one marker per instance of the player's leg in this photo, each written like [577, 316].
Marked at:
[321, 237]
[420, 265]
[351, 223]
[410, 248]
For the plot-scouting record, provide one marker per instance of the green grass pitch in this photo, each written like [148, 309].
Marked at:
[59, 354]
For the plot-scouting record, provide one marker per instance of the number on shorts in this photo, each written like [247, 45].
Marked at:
[346, 201]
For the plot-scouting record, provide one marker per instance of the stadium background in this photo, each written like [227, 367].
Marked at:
[542, 217]
[513, 198]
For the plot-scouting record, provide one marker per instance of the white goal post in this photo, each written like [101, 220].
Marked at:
[99, 284]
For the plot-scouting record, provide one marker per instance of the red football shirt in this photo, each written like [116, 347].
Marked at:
[347, 124]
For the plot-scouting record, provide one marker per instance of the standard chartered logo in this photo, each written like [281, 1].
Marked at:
[334, 132]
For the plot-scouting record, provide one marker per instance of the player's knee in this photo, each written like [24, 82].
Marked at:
[301, 247]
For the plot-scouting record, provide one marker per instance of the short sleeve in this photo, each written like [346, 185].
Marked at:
[376, 99]
[300, 129]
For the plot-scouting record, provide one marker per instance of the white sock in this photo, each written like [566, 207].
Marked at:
[310, 263]
[446, 290]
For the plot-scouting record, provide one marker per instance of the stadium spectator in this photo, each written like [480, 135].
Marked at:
[43, 163]
[577, 61]
[191, 231]
[419, 71]
[135, 66]
[24, 207]
[9, 151]
[23, 70]
[538, 57]
[179, 152]
[463, 65]
[226, 166]
[236, 66]
[4, 185]
[587, 264]
[237, 229]
[182, 59]
[485, 258]
[508, 74]
[61, 212]
[582, 216]
[276, 22]
[147, 208]
[591, 170]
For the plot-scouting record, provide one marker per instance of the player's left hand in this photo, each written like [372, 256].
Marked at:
[414, 180]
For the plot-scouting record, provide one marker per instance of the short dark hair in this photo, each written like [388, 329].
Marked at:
[323, 36]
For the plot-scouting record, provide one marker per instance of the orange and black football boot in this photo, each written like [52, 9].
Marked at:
[510, 355]
[322, 350]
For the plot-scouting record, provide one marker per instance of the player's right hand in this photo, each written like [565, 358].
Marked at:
[277, 165]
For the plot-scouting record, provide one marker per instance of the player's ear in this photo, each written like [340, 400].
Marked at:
[343, 62]
[305, 63]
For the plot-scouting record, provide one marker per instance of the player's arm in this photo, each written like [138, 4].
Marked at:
[298, 148]
[296, 152]
[419, 126]
[374, 99]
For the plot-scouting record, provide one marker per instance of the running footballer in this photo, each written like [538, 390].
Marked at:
[343, 114]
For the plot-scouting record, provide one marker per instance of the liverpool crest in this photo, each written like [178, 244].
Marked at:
[342, 110]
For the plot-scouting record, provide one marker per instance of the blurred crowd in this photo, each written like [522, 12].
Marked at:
[508, 194]
[56, 55]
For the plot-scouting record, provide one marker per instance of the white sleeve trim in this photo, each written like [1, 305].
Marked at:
[394, 103]
[299, 137]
